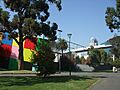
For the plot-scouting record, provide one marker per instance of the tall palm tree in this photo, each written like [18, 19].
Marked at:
[61, 45]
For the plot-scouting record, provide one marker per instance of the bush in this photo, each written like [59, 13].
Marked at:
[116, 63]
[67, 64]
[44, 58]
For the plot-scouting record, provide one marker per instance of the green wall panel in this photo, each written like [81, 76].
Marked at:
[13, 64]
[38, 43]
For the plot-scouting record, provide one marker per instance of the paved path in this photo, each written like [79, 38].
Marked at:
[108, 82]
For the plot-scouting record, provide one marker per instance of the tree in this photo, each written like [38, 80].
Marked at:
[115, 50]
[68, 62]
[116, 63]
[44, 58]
[109, 59]
[61, 45]
[103, 56]
[78, 61]
[95, 56]
[82, 59]
[29, 20]
[115, 42]
[88, 61]
[112, 17]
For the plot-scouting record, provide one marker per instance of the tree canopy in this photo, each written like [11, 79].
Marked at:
[95, 56]
[115, 41]
[61, 44]
[112, 17]
[103, 56]
[29, 20]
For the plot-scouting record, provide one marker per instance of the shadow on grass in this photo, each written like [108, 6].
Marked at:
[28, 81]
[100, 77]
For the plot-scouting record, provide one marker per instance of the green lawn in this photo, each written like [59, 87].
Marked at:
[49, 83]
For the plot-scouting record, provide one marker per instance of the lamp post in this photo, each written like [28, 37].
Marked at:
[59, 66]
[59, 33]
[69, 36]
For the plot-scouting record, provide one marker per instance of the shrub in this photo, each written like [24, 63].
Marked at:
[44, 58]
[116, 63]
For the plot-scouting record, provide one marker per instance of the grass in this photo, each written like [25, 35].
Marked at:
[48, 83]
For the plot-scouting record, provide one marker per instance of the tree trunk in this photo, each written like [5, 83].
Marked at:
[21, 58]
[21, 55]
[62, 53]
[60, 61]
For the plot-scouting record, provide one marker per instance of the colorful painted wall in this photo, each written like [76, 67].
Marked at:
[9, 52]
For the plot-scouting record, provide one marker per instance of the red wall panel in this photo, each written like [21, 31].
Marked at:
[30, 44]
[5, 50]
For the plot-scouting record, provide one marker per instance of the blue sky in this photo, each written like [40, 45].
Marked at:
[84, 19]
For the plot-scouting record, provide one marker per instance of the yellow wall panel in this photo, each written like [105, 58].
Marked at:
[1, 35]
[15, 44]
[27, 55]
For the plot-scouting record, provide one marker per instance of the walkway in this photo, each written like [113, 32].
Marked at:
[108, 82]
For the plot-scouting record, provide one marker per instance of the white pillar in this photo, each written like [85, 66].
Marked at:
[113, 56]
